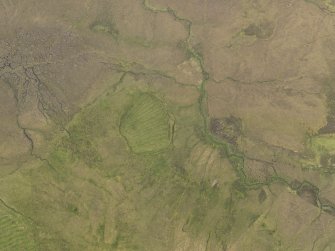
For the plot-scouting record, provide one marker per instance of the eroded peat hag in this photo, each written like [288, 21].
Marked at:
[229, 128]
[263, 30]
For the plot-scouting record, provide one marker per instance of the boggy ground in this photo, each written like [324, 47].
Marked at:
[167, 125]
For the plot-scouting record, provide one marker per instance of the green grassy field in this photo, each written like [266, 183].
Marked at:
[146, 125]
[15, 234]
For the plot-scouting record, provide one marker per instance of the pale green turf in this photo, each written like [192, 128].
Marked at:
[330, 5]
[324, 143]
[14, 233]
[146, 125]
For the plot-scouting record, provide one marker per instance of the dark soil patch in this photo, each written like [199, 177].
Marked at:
[262, 30]
[262, 196]
[327, 206]
[228, 128]
[309, 193]
[295, 184]
[329, 90]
